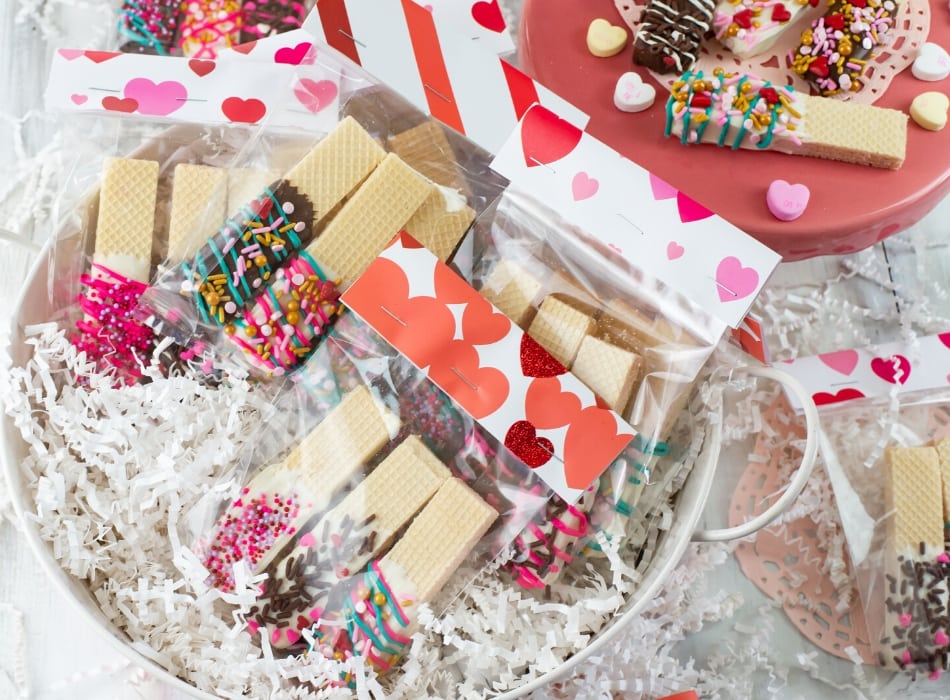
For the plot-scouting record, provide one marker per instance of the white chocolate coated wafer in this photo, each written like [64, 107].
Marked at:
[347, 538]
[281, 498]
[126, 221]
[712, 109]
[916, 630]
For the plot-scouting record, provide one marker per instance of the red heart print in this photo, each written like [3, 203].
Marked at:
[315, 95]
[293, 56]
[944, 338]
[590, 445]
[488, 15]
[200, 67]
[244, 111]
[547, 407]
[690, 209]
[482, 324]
[545, 137]
[116, 104]
[780, 13]
[894, 369]
[479, 390]
[245, 48]
[101, 56]
[538, 362]
[823, 398]
[523, 441]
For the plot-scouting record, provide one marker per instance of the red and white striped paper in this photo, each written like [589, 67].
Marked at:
[424, 56]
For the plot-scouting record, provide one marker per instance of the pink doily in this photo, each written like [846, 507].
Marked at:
[910, 31]
[786, 561]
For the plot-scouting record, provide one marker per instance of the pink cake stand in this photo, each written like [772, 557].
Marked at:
[851, 206]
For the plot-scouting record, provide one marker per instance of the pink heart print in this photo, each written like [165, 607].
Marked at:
[70, 54]
[159, 99]
[733, 281]
[674, 250]
[843, 361]
[584, 186]
[661, 188]
[78, 99]
[315, 95]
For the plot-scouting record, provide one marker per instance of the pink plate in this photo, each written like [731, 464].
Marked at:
[851, 206]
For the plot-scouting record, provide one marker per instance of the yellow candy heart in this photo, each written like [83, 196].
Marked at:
[604, 39]
[929, 110]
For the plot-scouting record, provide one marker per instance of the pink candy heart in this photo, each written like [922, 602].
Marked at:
[786, 201]
[941, 639]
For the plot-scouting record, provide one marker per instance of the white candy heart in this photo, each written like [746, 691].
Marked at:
[632, 94]
[932, 63]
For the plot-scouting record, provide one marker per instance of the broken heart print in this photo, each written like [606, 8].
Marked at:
[502, 378]
[846, 375]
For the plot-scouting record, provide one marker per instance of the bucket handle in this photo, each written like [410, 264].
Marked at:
[801, 476]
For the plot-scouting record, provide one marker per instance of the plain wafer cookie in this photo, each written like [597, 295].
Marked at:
[199, 207]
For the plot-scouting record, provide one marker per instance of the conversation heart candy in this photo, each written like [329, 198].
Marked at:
[929, 110]
[632, 94]
[932, 63]
[604, 39]
[786, 201]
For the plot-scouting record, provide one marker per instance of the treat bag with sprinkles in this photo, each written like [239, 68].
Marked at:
[129, 185]
[636, 343]
[262, 283]
[389, 497]
[889, 462]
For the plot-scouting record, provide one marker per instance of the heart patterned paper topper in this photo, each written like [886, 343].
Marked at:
[846, 375]
[176, 89]
[657, 228]
[507, 382]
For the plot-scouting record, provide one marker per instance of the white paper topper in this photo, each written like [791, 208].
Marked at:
[203, 91]
[657, 228]
[874, 372]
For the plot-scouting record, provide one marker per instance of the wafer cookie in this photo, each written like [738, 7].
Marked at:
[370, 218]
[513, 290]
[943, 455]
[244, 184]
[739, 110]
[236, 263]
[440, 222]
[379, 612]
[426, 149]
[199, 206]
[347, 538]
[916, 615]
[126, 221]
[283, 497]
[560, 329]
[607, 370]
